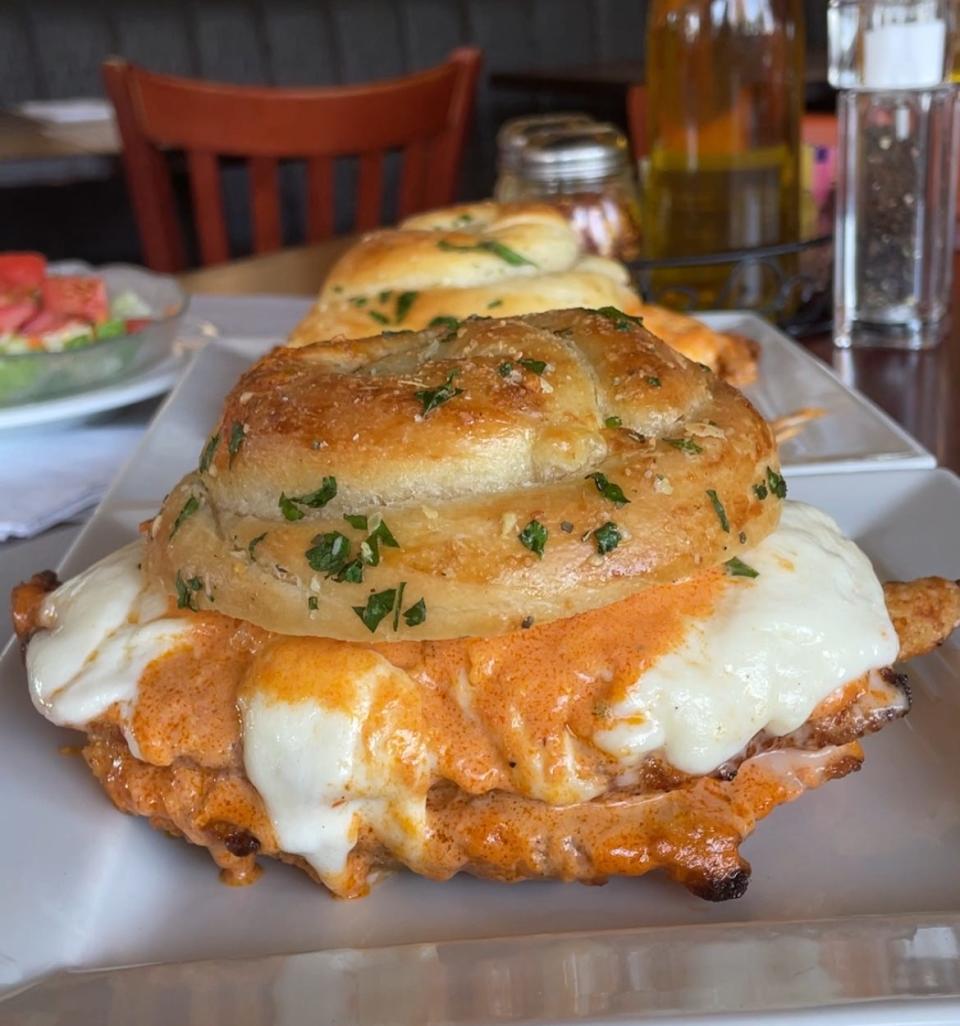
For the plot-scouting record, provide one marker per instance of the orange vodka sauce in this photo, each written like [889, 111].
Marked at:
[501, 712]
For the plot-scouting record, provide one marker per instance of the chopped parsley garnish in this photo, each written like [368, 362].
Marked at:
[378, 317]
[566, 526]
[497, 249]
[760, 490]
[718, 509]
[237, 434]
[687, 445]
[494, 303]
[776, 484]
[313, 603]
[415, 614]
[607, 537]
[432, 398]
[379, 605]
[329, 552]
[505, 369]
[289, 508]
[608, 489]
[370, 547]
[319, 498]
[290, 504]
[357, 520]
[613, 422]
[404, 301]
[445, 321]
[385, 295]
[206, 457]
[254, 542]
[189, 508]
[396, 609]
[620, 320]
[737, 568]
[742, 536]
[358, 300]
[186, 590]
[462, 219]
[534, 538]
[535, 366]
[652, 380]
[351, 572]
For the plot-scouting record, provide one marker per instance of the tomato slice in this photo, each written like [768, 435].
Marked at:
[134, 324]
[14, 315]
[76, 296]
[22, 271]
[46, 321]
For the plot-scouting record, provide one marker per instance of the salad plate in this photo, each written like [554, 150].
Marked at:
[68, 327]
[145, 384]
[853, 910]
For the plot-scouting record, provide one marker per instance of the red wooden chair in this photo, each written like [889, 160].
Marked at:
[425, 116]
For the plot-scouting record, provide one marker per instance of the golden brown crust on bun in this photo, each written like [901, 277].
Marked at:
[493, 259]
[529, 467]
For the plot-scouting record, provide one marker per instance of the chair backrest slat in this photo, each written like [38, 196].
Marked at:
[265, 204]
[413, 179]
[427, 112]
[204, 170]
[320, 197]
[369, 190]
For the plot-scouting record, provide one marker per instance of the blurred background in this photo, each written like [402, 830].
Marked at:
[63, 193]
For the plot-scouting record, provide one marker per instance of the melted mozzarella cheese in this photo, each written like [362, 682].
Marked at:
[333, 741]
[101, 631]
[776, 645]
[333, 734]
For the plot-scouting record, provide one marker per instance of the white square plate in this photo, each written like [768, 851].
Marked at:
[853, 433]
[855, 893]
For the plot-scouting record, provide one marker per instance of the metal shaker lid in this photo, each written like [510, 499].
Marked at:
[514, 133]
[574, 153]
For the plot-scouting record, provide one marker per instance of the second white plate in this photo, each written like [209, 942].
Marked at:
[853, 435]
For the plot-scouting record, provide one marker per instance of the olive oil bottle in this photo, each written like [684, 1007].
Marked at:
[725, 82]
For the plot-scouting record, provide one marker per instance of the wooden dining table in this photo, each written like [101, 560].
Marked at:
[920, 390]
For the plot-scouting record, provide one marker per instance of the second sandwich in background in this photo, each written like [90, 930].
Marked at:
[495, 260]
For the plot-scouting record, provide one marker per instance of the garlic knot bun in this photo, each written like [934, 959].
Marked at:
[465, 480]
[471, 259]
[501, 260]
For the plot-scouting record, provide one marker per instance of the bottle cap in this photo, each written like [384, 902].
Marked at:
[582, 153]
[514, 133]
[888, 44]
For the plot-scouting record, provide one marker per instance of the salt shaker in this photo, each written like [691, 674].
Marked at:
[896, 173]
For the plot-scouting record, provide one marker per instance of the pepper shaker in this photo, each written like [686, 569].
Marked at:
[896, 173]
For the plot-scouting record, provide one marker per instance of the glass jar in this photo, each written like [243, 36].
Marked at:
[721, 170]
[586, 172]
[512, 139]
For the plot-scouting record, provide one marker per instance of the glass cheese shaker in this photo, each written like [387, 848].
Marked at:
[512, 138]
[587, 172]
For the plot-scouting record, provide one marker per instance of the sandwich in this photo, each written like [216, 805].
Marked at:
[500, 260]
[520, 598]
